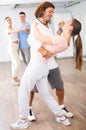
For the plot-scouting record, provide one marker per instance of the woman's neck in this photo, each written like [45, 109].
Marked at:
[67, 36]
[10, 27]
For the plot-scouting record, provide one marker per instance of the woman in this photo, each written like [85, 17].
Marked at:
[56, 44]
[12, 37]
[33, 75]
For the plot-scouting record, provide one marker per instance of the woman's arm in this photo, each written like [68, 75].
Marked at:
[9, 31]
[27, 29]
[40, 37]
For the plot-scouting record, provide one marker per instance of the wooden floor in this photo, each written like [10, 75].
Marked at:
[75, 99]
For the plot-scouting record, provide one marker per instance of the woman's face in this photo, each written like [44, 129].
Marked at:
[67, 26]
[8, 22]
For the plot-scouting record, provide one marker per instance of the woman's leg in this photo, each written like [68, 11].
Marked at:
[14, 53]
[23, 99]
[27, 84]
[52, 104]
[29, 79]
[42, 87]
[16, 61]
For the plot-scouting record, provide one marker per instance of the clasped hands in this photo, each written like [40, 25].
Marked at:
[45, 53]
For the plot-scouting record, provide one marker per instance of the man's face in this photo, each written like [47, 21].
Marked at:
[22, 17]
[48, 13]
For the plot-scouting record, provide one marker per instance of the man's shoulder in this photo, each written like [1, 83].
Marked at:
[27, 24]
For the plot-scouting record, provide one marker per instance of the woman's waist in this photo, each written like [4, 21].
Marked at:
[15, 41]
[38, 55]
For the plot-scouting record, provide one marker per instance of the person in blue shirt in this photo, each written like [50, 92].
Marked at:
[24, 47]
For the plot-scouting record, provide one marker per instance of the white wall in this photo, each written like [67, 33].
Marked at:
[78, 11]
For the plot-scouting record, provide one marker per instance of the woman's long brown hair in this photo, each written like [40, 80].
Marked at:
[78, 43]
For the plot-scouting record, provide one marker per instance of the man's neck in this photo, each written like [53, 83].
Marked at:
[22, 22]
[43, 22]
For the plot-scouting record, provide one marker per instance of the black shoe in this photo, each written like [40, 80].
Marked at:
[31, 116]
[67, 113]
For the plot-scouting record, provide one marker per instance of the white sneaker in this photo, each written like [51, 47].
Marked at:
[20, 124]
[31, 116]
[67, 113]
[64, 121]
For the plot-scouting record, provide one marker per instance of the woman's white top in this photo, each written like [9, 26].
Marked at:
[12, 37]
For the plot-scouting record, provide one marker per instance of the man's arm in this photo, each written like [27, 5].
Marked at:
[45, 53]
[39, 36]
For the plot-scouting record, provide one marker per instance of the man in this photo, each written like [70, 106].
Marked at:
[23, 44]
[54, 76]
